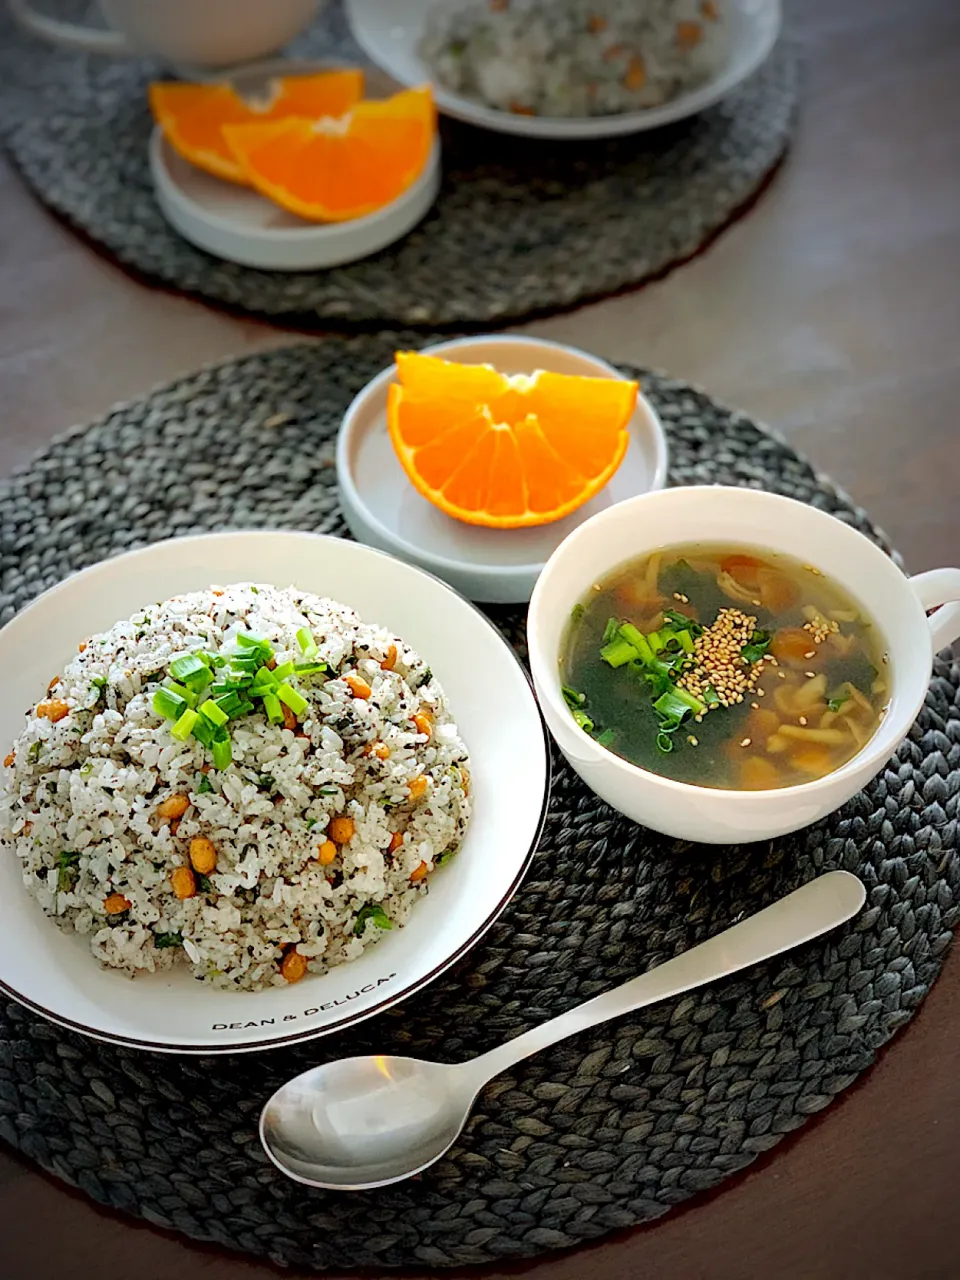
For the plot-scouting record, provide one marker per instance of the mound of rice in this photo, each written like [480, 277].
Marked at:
[565, 58]
[87, 776]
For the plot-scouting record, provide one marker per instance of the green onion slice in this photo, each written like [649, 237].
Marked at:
[169, 704]
[618, 652]
[295, 701]
[271, 705]
[184, 726]
[573, 699]
[633, 636]
[222, 753]
[213, 712]
[190, 669]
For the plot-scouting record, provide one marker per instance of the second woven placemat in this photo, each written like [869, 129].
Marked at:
[521, 227]
[605, 1131]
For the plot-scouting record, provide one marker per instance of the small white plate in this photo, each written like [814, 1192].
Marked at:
[240, 225]
[53, 973]
[389, 32]
[496, 566]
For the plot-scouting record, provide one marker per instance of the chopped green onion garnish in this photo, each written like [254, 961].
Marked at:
[310, 668]
[211, 711]
[222, 753]
[633, 636]
[695, 705]
[584, 721]
[680, 622]
[203, 785]
[169, 704]
[664, 743]
[710, 696]
[184, 726]
[308, 646]
[228, 685]
[284, 671]
[190, 670]
[230, 704]
[162, 940]
[181, 691]
[686, 641]
[610, 630]
[295, 701]
[573, 699]
[618, 652]
[835, 704]
[271, 705]
[656, 642]
[246, 640]
[204, 730]
[264, 679]
[672, 708]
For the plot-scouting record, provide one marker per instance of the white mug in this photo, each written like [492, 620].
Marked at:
[740, 517]
[195, 33]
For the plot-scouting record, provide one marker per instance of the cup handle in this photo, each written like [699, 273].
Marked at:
[69, 34]
[939, 589]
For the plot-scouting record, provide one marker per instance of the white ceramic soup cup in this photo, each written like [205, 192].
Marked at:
[740, 517]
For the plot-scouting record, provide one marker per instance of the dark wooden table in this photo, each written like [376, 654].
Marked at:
[833, 311]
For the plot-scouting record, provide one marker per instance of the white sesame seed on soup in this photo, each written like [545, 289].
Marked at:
[725, 666]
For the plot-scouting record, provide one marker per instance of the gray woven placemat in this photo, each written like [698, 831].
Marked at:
[520, 227]
[602, 1132]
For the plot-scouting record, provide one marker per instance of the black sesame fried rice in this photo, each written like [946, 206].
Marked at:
[249, 781]
[568, 58]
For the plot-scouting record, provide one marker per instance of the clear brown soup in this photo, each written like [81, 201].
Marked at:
[725, 667]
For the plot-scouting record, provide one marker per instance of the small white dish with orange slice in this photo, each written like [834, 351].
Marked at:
[478, 474]
[291, 167]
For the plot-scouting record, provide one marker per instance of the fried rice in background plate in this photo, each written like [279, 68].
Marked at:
[573, 58]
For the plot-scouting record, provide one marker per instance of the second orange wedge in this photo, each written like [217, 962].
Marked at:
[506, 452]
[192, 116]
[336, 170]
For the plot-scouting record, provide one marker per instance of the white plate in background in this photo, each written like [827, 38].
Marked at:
[240, 225]
[389, 32]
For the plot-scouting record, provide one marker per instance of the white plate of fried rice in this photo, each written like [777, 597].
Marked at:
[569, 69]
[255, 786]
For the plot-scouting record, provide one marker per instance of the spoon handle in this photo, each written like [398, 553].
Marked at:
[815, 908]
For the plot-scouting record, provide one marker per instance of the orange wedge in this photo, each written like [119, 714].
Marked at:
[192, 116]
[335, 170]
[506, 452]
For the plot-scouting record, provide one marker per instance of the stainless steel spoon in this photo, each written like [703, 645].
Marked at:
[366, 1122]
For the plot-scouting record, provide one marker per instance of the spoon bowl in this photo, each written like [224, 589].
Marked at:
[366, 1122]
[360, 1123]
